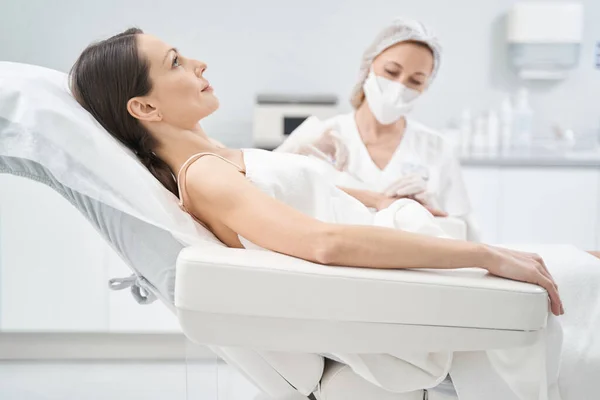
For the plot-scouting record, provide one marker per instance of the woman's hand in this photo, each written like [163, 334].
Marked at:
[384, 201]
[369, 198]
[434, 211]
[525, 267]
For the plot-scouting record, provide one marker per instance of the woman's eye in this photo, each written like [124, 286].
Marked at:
[416, 82]
[176, 62]
[392, 73]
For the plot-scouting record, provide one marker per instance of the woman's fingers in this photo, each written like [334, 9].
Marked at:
[555, 302]
[535, 257]
[538, 259]
[537, 274]
[435, 212]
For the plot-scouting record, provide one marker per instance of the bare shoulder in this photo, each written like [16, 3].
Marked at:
[210, 177]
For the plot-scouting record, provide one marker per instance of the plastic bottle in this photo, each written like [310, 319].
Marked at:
[453, 133]
[479, 141]
[522, 122]
[506, 125]
[466, 131]
[493, 134]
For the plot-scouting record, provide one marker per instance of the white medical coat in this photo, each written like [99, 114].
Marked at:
[421, 150]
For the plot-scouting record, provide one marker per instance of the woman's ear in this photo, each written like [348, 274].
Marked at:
[141, 109]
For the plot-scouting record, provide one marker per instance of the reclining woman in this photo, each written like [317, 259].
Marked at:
[151, 98]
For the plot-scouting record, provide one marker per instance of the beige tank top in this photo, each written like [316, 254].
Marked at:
[181, 179]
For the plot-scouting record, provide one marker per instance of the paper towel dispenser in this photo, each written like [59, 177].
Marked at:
[545, 38]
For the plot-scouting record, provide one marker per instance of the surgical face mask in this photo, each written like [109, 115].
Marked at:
[388, 100]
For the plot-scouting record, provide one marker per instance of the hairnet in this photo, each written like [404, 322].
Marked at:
[400, 30]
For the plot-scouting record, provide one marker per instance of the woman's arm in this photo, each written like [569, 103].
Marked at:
[217, 189]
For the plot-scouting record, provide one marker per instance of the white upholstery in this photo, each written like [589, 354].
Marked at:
[257, 285]
[254, 303]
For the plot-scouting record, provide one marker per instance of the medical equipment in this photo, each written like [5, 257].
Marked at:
[276, 116]
[400, 30]
[251, 306]
[545, 38]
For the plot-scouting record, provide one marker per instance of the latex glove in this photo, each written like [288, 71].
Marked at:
[413, 186]
[409, 185]
[328, 147]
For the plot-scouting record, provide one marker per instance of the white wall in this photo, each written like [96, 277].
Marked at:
[130, 380]
[306, 47]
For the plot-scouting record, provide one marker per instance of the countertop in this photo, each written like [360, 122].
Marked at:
[568, 160]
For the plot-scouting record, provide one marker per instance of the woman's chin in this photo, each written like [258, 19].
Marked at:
[208, 108]
[214, 104]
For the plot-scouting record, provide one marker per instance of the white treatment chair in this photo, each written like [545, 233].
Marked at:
[273, 317]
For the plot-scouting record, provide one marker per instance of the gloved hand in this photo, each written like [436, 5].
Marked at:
[413, 186]
[408, 185]
[330, 148]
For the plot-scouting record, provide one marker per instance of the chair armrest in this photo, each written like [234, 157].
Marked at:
[260, 283]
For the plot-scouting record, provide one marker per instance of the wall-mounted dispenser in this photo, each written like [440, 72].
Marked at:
[544, 38]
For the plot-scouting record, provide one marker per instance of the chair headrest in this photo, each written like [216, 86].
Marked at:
[47, 136]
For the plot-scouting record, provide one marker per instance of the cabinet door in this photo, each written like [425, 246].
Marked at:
[126, 315]
[52, 274]
[549, 205]
[483, 187]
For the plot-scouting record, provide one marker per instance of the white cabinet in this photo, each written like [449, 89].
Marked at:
[536, 205]
[549, 205]
[52, 275]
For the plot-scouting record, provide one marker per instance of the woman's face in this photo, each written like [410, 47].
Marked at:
[180, 95]
[409, 63]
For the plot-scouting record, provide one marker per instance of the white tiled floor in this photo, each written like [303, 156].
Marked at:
[127, 381]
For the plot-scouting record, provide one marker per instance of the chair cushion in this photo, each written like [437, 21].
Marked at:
[265, 284]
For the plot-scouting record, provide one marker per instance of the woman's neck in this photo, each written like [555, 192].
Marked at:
[176, 145]
[371, 130]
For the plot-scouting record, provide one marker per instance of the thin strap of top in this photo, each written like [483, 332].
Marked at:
[181, 175]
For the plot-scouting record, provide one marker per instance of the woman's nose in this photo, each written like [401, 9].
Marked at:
[199, 68]
[404, 79]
